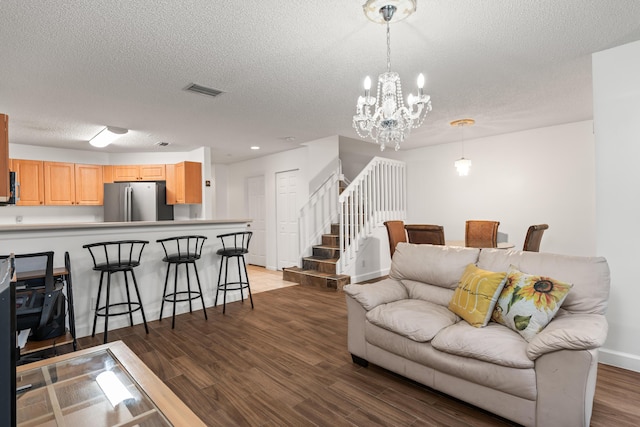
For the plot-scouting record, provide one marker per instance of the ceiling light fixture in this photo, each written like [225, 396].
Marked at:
[255, 147]
[386, 119]
[106, 136]
[462, 165]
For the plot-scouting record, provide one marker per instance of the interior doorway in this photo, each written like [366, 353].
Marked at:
[257, 211]
[287, 219]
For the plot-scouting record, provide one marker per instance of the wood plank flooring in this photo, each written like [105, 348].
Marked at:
[286, 363]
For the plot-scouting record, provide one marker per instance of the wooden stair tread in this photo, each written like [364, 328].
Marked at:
[321, 259]
[325, 247]
[316, 273]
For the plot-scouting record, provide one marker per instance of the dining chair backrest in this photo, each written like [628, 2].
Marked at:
[396, 233]
[425, 234]
[481, 234]
[534, 237]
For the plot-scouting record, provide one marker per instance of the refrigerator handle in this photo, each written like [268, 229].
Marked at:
[127, 204]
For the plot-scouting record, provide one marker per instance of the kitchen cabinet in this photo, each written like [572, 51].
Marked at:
[184, 183]
[72, 184]
[29, 182]
[59, 183]
[4, 158]
[89, 185]
[139, 173]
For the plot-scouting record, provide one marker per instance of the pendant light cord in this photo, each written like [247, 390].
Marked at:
[388, 48]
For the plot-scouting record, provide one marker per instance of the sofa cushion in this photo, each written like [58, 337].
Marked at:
[528, 303]
[494, 344]
[436, 265]
[476, 295]
[417, 320]
[431, 293]
[373, 294]
[590, 275]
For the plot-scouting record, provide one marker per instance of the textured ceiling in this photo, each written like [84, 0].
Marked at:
[291, 69]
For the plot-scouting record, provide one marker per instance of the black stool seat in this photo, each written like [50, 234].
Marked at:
[182, 250]
[115, 257]
[234, 245]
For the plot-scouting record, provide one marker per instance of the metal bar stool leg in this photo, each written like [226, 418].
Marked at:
[226, 271]
[247, 276]
[186, 268]
[135, 285]
[175, 296]
[240, 279]
[95, 313]
[106, 308]
[215, 303]
[164, 292]
[126, 288]
[195, 268]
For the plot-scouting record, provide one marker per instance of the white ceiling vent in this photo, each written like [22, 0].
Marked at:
[193, 87]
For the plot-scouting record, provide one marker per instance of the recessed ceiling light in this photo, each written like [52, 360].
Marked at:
[162, 143]
[255, 147]
[290, 138]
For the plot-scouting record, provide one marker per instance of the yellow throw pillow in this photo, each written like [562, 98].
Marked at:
[476, 295]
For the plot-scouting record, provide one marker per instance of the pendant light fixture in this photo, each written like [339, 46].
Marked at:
[462, 165]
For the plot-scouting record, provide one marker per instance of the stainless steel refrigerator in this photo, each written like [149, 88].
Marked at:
[136, 201]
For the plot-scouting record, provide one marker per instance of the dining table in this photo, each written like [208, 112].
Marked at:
[500, 245]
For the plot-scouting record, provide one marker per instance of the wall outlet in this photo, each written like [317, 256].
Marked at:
[19, 219]
[93, 304]
[363, 263]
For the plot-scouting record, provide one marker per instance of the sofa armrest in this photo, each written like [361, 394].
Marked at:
[372, 295]
[569, 332]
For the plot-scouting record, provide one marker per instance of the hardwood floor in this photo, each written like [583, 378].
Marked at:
[286, 363]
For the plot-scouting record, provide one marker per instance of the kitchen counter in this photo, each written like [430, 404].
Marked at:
[85, 225]
[70, 237]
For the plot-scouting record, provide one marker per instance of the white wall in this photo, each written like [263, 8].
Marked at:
[532, 177]
[616, 93]
[59, 214]
[310, 159]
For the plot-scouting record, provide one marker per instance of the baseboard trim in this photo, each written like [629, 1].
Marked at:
[619, 359]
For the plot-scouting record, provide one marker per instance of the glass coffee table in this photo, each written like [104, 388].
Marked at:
[75, 389]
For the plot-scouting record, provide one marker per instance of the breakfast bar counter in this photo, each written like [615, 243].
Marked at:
[70, 237]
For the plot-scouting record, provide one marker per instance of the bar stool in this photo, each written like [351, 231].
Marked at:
[234, 245]
[182, 250]
[115, 257]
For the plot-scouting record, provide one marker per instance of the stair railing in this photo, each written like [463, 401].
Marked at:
[320, 211]
[376, 195]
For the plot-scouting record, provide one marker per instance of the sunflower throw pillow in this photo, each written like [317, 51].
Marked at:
[528, 303]
[476, 295]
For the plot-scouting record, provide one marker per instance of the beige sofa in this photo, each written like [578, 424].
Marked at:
[403, 324]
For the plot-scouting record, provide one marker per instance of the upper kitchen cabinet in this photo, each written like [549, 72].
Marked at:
[29, 182]
[59, 183]
[89, 188]
[4, 158]
[72, 184]
[184, 183]
[139, 173]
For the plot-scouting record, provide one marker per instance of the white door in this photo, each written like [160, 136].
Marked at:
[258, 246]
[287, 219]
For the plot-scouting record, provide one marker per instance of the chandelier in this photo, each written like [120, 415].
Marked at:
[462, 165]
[385, 118]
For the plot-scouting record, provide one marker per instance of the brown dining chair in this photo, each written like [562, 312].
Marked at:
[397, 234]
[425, 234]
[481, 234]
[534, 236]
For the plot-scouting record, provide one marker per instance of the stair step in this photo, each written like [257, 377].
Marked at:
[325, 265]
[323, 251]
[330, 240]
[316, 279]
[335, 228]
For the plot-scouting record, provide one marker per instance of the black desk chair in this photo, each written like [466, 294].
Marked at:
[182, 250]
[115, 257]
[234, 245]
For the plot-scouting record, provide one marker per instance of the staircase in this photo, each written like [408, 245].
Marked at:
[319, 269]
[350, 215]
